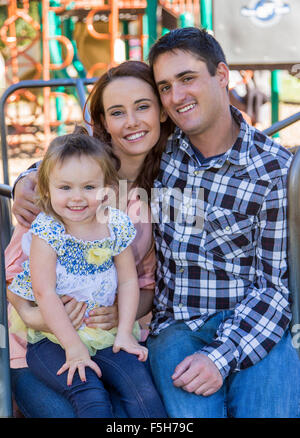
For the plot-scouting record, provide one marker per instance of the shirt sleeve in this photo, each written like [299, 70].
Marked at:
[123, 229]
[261, 318]
[48, 229]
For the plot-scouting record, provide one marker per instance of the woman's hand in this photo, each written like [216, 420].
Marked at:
[24, 208]
[75, 310]
[105, 318]
[77, 357]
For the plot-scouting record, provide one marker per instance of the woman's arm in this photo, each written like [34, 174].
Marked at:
[28, 312]
[32, 316]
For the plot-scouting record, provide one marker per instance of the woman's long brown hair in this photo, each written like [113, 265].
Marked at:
[140, 70]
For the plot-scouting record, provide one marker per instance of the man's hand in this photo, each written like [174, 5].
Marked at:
[198, 374]
[24, 208]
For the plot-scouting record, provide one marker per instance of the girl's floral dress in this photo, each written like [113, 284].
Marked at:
[85, 270]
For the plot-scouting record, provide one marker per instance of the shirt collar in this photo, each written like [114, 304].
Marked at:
[238, 154]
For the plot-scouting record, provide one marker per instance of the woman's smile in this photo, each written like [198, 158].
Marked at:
[136, 136]
[132, 116]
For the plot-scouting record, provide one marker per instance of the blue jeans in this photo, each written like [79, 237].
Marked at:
[122, 372]
[269, 389]
[37, 400]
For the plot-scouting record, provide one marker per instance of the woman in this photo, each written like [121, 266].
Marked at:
[125, 112]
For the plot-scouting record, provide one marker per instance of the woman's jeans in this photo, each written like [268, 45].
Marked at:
[122, 372]
[268, 389]
[37, 400]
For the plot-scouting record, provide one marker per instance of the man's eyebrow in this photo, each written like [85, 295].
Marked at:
[177, 76]
[136, 101]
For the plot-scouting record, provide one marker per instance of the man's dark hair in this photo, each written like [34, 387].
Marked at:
[190, 39]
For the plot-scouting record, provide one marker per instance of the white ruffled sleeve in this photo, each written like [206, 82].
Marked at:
[48, 229]
[123, 229]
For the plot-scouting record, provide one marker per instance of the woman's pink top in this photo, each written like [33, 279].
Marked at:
[143, 250]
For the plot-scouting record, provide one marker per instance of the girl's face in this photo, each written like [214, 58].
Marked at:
[73, 187]
[132, 116]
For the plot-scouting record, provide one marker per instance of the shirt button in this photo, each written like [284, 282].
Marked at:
[181, 239]
[197, 172]
[180, 305]
[227, 228]
[181, 270]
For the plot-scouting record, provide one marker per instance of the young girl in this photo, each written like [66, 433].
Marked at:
[79, 248]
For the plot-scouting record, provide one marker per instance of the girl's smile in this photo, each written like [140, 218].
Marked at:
[73, 187]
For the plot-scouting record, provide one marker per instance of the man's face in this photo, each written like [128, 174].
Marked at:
[191, 96]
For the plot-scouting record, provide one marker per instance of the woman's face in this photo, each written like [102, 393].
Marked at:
[132, 116]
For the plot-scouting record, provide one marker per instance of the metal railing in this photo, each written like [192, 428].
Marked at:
[281, 124]
[293, 226]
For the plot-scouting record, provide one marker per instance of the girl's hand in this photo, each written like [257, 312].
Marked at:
[105, 318]
[78, 357]
[129, 343]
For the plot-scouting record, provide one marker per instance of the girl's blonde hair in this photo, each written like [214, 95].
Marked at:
[76, 144]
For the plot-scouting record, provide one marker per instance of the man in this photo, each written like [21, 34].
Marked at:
[220, 344]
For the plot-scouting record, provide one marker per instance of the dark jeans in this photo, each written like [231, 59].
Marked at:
[122, 372]
[37, 400]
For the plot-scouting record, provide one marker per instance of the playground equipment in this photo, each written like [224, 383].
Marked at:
[243, 26]
[58, 49]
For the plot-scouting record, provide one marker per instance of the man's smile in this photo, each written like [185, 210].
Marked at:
[186, 108]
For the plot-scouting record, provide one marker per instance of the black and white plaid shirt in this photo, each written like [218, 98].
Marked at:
[238, 259]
